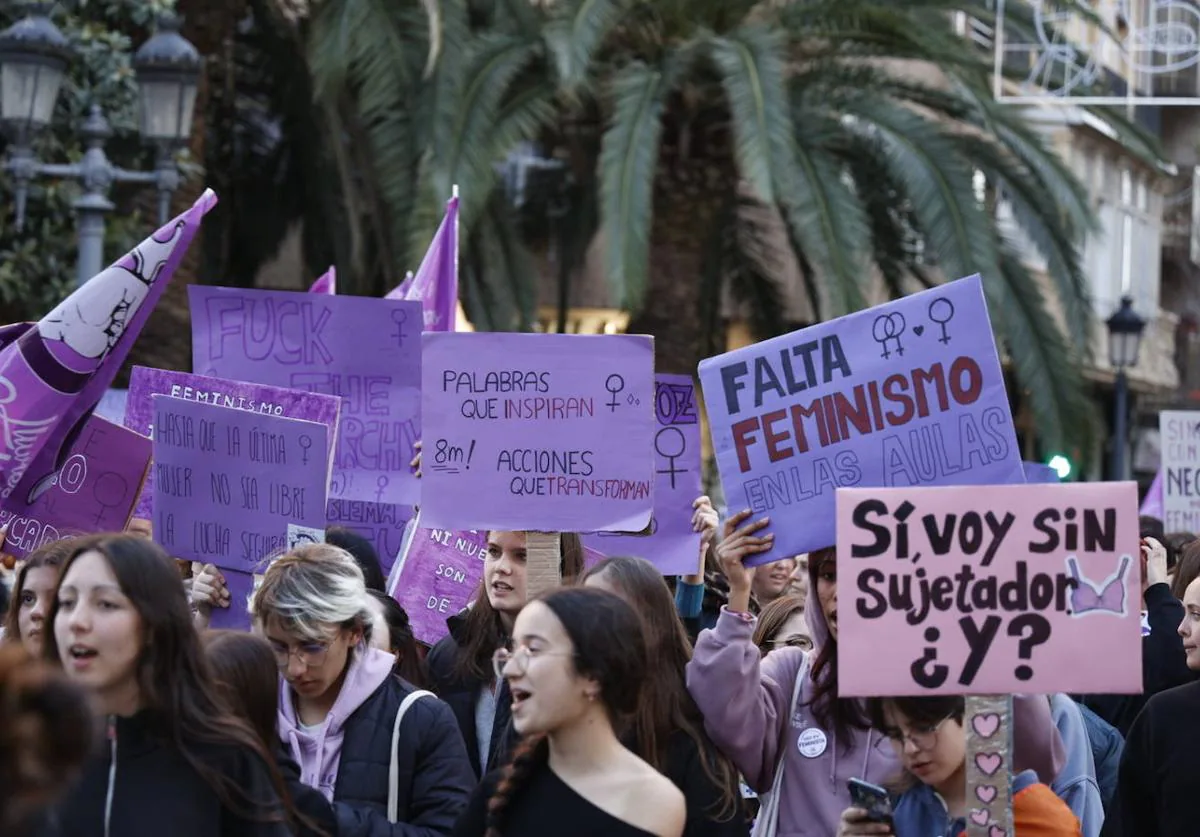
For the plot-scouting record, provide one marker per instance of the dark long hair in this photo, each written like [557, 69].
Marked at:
[607, 636]
[483, 632]
[665, 705]
[409, 663]
[53, 555]
[174, 679]
[920, 711]
[842, 715]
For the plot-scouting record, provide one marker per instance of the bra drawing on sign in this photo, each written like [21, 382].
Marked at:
[1088, 597]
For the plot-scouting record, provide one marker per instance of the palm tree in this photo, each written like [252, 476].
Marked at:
[694, 127]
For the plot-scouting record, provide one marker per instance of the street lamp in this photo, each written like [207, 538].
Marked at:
[530, 178]
[1125, 329]
[33, 61]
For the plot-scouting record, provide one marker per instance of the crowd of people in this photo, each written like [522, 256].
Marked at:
[611, 705]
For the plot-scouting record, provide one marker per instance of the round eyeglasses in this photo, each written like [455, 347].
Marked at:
[922, 738]
[309, 654]
[503, 657]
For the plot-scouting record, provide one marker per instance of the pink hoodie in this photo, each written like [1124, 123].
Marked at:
[319, 753]
[745, 702]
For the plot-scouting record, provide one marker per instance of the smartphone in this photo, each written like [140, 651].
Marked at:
[872, 799]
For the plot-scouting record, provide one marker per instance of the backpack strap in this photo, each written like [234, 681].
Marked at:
[394, 768]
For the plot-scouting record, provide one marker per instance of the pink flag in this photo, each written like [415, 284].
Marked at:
[53, 372]
[436, 282]
[326, 283]
[1152, 506]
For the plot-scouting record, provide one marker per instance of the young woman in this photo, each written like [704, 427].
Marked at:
[928, 738]
[783, 710]
[575, 671]
[32, 592]
[338, 704]
[782, 624]
[461, 664]
[392, 632]
[667, 729]
[174, 758]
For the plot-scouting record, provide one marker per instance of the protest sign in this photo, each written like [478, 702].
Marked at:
[367, 351]
[669, 543]
[1180, 434]
[549, 432]
[1036, 472]
[93, 491]
[380, 523]
[989, 592]
[144, 383]
[907, 393]
[232, 487]
[236, 617]
[441, 573]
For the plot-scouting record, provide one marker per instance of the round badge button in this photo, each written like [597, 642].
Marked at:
[812, 743]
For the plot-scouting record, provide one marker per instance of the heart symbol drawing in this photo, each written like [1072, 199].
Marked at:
[986, 725]
[918, 330]
[986, 793]
[996, 831]
[989, 763]
[979, 816]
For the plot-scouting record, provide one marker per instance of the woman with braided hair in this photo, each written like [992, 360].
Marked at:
[575, 670]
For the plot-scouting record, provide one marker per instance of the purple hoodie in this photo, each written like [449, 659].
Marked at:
[319, 752]
[745, 701]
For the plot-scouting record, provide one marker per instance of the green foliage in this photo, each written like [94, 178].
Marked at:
[37, 264]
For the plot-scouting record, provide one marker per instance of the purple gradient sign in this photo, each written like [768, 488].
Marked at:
[93, 491]
[236, 617]
[441, 573]
[904, 394]
[550, 432]
[380, 523]
[145, 383]
[368, 351]
[669, 543]
[232, 487]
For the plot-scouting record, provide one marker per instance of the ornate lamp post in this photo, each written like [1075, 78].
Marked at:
[33, 60]
[1125, 329]
[530, 178]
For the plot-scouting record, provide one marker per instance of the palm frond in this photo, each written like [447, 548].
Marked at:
[574, 33]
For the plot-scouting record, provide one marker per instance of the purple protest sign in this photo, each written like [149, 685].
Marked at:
[549, 432]
[670, 544]
[145, 383]
[1036, 472]
[232, 487]
[365, 350]
[903, 394]
[380, 523]
[236, 617]
[441, 573]
[93, 491]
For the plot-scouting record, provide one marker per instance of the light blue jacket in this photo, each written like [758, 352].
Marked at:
[1076, 783]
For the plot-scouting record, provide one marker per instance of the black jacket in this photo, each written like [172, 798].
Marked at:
[434, 773]
[1164, 665]
[462, 694]
[155, 791]
[685, 767]
[1158, 783]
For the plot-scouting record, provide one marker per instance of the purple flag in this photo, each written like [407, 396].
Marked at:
[1036, 472]
[436, 282]
[1152, 505]
[401, 290]
[326, 283]
[94, 490]
[441, 573]
[53, 372]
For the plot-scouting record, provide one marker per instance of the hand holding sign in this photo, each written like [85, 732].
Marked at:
[739, 543]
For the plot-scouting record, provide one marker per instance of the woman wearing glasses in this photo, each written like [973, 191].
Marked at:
[782, 624]
[387, 775]
[928, 738]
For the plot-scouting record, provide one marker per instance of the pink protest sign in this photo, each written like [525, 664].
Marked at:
[907, 393]
[669, 543]
[441, 573]
[367, 351]
[145, 383]
[93, 491]
[1000, 590]
[381, 523]
[232, 487]
[548, 432]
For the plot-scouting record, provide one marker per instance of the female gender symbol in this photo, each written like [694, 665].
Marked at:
[671, 457]
[886, 328]
[941, 311]
[381, 485]
[305, 444]
[614, 383]
[108, 491]
[399, 317]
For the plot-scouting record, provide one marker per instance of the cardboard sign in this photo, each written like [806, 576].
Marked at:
[367, 351]
[236, 617]
[669, 542]
[233, 488]
[380, 523]
[1180, 486]
[907, 393]
[93, 491]
[549, 432]
[145, 383]
[441, 574]
[1009, 589]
